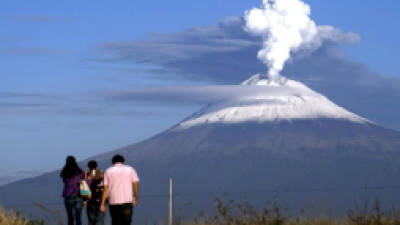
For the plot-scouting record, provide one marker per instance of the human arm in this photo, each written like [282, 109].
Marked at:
[103, 199]
[105, 193]
[135, 193]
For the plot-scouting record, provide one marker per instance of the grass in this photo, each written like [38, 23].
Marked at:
[15, 218]
[229, 213]
[244, 214]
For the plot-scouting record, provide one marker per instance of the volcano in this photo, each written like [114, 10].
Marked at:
[295, 145]
[293, 101]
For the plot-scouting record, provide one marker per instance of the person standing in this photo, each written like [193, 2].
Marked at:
[71, 175]
[121, 182]
[95, 180]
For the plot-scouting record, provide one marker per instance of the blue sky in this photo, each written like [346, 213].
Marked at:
[59, 60]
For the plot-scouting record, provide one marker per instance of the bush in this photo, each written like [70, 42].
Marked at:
[273, 214]
[15, 218]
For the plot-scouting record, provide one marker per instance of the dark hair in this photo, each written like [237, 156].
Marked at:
[118, 159]
[71, 168]
[92, 164]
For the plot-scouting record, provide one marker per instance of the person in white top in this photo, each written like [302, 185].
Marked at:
[121, 188]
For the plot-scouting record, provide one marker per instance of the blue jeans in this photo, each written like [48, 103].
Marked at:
[74, 206]
[95, 216]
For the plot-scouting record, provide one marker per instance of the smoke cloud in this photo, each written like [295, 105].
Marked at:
[202, 94]
[285, 25]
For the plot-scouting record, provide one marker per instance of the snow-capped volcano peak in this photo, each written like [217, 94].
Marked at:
[262, 80]
[272, 100]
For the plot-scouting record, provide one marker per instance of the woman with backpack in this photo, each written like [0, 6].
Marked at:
[72, 176]
[95, 180]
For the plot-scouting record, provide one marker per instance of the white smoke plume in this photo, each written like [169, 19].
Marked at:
[286, 26]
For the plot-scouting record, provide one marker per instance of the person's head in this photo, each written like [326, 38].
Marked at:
[71, 168]
[118, 159]
[92, 165]
[70, 160]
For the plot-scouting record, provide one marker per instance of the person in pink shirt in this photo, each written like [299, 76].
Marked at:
[121, 188]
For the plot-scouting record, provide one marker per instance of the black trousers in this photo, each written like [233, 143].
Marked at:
[121, 214]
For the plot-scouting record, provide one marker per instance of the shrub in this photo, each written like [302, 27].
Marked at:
[273, 214]
[15, 218]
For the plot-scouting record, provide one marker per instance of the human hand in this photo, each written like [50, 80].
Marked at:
[103, 208]
[135, 202]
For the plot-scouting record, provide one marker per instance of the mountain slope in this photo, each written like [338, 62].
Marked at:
[289, 100]
[295, 140]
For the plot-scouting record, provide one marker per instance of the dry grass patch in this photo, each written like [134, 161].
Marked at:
[273, 214]
[15, 218]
